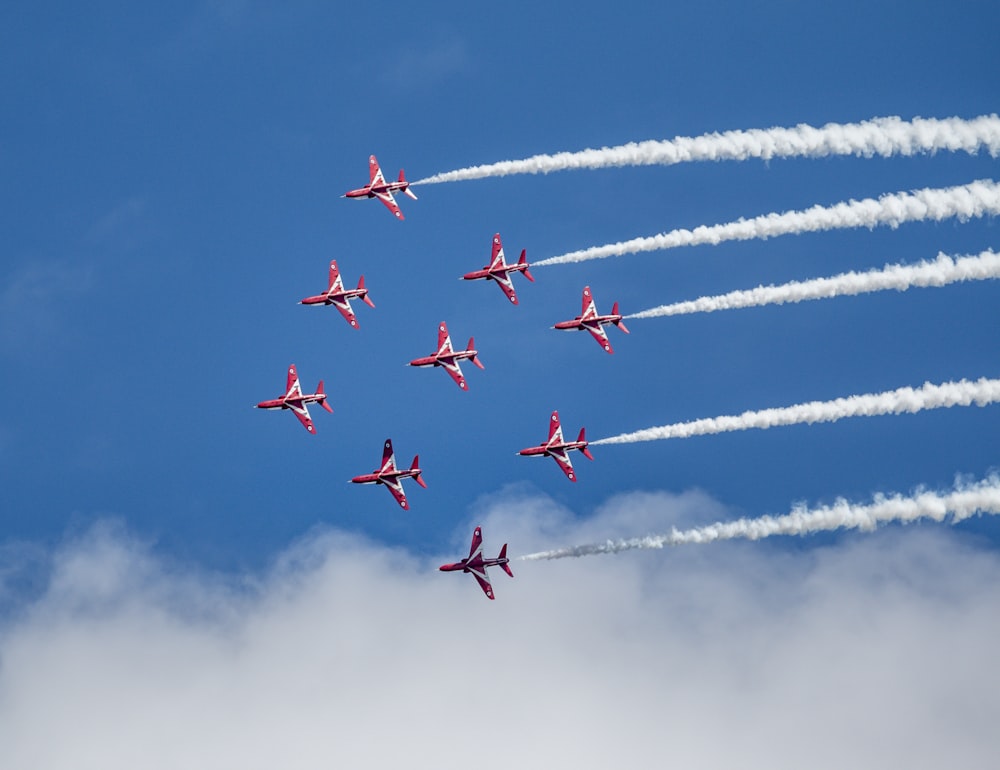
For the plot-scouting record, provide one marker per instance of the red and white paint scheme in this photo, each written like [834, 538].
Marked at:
[477, 564]
[498, 270]
[590, 321]
[391, 476]
[297, 401]
[559, 449]
[447, 357]
[377, 187]
[340, 297]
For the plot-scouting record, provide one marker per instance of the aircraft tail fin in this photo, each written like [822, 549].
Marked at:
[415, 466]
[406, 190]
[618, 323]
[583, 439]
[524, 261]
[364, 297]
[322, 400]
[475, 358]
[503, 557]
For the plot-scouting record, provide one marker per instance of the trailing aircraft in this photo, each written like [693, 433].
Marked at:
[477, 564]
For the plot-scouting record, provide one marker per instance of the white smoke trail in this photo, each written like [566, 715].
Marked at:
[901, 401]
[956, 506]
[938, 272]
[965, 201]
[880, 136]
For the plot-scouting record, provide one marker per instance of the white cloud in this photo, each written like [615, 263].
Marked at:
[875, 652]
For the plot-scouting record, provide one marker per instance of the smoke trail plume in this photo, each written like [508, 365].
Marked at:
[960, 504]
[965, 202]
[938, 272]
[880, 136]
[901, 401]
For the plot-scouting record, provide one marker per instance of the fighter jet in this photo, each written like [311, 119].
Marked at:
[298, 401]
[391, 476]
[377, 187]
[558, 449]
[447, 357]
[476, 564]
[590, 321]
[498, 270]
[340, 297]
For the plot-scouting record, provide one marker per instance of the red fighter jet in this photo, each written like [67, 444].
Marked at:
[447, 357]
[378, 188]
[297, 401]
[391, 476]
[558, 449]
[340, 297]
[590, 321]
[477, 565]
[498, 270]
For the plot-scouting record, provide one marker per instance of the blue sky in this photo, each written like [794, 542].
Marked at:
[172, 190]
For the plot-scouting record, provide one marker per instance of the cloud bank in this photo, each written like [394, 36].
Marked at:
[875, 651]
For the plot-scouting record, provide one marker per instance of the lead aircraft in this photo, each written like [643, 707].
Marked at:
[498, 270]
[377, 187]
[477, 564]
[590, 321]
[340, 297]
[558, 449]
[297, 401]
[391, 476]
[447, 357]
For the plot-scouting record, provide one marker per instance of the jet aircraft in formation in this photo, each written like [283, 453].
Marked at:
[391, 476]
[377, 187]
[589, 320]
[558, 449]
[340, 297]
[498, 270]
[297, 401]
[447, 357]
[476, 563]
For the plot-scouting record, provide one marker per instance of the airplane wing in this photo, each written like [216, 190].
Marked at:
[444, 340]
[302, 412]
[292, 387]
[477, 543]
[561, 456]
[479, 573]
[345, 310]
[598, 333]
[390, 203]
[336, 282]
[506, 285]
[395, 487]
[497, 259]
[388, 458]
[555, 430]
[374, 172]
[455, 372]
[589, 308]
